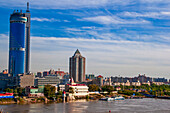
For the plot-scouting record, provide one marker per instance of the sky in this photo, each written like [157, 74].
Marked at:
[117, 37]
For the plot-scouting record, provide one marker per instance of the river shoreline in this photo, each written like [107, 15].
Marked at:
[50, 101]
[145, 105]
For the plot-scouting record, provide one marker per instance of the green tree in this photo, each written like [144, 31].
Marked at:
[93, 87]
[108, 88]
[8, 90]
[60, 92]
[20, 91]
[15, 91]
[71, 90]
[49, 91]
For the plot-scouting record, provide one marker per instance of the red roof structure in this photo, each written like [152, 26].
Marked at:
[100, 76]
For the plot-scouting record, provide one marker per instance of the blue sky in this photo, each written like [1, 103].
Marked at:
[118, 37]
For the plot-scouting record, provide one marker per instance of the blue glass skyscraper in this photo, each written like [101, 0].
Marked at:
[17, 43]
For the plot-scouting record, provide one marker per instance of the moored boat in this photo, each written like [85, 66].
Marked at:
[104, 99]
[118, 98]
[107, 99]
[112, 98]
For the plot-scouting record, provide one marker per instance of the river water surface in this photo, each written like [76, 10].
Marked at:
[146, 105]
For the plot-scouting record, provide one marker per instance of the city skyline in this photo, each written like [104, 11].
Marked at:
[128, 38]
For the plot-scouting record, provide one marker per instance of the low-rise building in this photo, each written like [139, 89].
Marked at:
[5, 81]
[107, 81]
[45, 73]
[148, 83]
[77, 89]
[118, 88]
[31, 91]
[60, 73]
[51, 80]
[21, 80]
[61, 87]
[39, 74]
[24, 80]
[98, 81]
[127, 83]
[136, 83]
[90, 76]
[158, 83]
[117, 84]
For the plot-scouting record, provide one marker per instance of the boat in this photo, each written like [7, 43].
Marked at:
[104, 99]
[112, 98]
[107, 99]
[118, 98]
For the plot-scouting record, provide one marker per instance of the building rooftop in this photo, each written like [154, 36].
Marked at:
[77, 53]
[77, 84]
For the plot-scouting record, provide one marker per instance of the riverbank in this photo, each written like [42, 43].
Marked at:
[25, 100]
[147, 105]
[5, 101]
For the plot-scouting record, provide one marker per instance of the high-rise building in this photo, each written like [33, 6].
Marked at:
[77, 67]
[17, 43]
[19, 38]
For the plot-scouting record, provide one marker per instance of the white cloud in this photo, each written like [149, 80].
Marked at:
[3, 51]
[63, 4]
[47, 19]
[88, 27]
[154, 1]
[165, 13]
[85, 40]
[113, 20]
[160, 15]
[107, 57]
[3, 36]
[43, 19]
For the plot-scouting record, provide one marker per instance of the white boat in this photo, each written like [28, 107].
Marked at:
[110, 99]
[118, 98]
[107, 99]
[104, 99]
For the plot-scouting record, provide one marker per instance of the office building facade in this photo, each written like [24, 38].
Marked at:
[51, 80]
[19, 42]
[77, 67]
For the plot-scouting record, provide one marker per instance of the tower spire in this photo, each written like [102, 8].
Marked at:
[27, 7]
[77, 53]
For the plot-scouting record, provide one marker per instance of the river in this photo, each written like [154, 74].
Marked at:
[146, 105]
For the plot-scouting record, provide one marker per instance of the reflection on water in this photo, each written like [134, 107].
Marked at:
[125, 106]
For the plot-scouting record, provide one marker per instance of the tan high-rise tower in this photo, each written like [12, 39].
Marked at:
[77, 67]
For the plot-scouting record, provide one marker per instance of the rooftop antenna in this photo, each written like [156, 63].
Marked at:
[27, 7]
